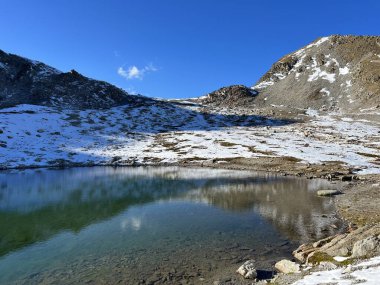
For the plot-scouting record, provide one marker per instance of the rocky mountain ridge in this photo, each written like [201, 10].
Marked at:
[336, 73]
[23, 81]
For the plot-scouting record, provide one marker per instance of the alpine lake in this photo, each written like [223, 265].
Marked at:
[153, 225]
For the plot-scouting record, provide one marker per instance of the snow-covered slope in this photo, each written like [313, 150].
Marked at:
[161, 132]
[23, 81]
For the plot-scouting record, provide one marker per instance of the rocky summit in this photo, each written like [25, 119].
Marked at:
[230, 95]
[23, 81]
[335, 73]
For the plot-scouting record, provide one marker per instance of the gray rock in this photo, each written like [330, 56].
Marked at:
[326, 265]
[369, 246]
[248, 270]
[287, 266]
[328, 192]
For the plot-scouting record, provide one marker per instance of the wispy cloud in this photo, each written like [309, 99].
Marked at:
[131, 90]
[133, 72]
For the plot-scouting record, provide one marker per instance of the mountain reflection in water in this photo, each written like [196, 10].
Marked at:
[37, 204]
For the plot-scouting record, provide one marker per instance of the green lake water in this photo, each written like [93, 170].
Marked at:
[152, 225]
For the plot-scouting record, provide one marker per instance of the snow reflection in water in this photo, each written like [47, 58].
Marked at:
[134, 223]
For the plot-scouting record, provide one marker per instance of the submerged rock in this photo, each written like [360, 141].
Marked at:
[248, 270]
[287, 266]
[328, 192]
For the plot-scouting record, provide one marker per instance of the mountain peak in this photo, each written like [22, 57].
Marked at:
[334, 72]
[24, 81]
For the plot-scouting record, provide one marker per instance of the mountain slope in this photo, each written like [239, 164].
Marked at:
[336, 73]
[23, 81]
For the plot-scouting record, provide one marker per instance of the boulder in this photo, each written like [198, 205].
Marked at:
[367, 247]
[248, 270]
[287, 266]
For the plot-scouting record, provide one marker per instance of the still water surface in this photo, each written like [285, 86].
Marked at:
[106, 225]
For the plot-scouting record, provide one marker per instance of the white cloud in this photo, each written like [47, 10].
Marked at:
[131, 90]
[134, 72]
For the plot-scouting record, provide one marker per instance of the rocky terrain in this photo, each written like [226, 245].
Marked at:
[158, 132]
[315, 113]
[24, 81]
[235, 95]
[336, 73]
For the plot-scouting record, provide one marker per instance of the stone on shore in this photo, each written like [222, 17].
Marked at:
[369, 246]
[287, 266]
[328, 192]
[248, 270]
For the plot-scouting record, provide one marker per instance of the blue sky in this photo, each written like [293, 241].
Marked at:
[174, 48]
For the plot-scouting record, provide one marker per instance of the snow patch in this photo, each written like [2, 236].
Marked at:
[263, 84]
[343, 71]
[279, 75]
[324, 90]
[316, 44]
[340, 258]
[319, 74]
[366, 273]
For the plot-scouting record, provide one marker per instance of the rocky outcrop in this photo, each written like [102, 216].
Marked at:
[363, 242]
[230, 96]
[23, 81]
